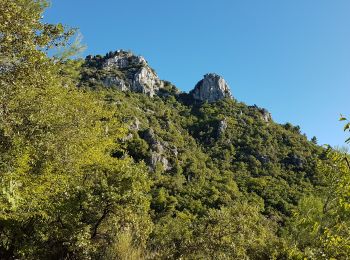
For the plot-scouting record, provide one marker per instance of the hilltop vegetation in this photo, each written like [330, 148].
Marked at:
[99, 159]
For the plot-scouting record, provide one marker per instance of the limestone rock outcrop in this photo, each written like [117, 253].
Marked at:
[211, 88]
[222, 127]
[123, 59]
[125, 71]
[157, 150]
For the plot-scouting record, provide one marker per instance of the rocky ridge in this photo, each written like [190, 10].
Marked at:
[126, 71]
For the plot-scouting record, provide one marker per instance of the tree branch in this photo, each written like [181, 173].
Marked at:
[99, 221]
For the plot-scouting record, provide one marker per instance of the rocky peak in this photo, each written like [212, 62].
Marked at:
[123, 59]
[211, 88]
[125, 71]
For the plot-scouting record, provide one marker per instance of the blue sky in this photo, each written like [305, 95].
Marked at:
[291, 57]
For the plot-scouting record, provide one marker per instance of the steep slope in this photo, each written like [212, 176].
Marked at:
[205, 150]
[103, 160]
[190, 141]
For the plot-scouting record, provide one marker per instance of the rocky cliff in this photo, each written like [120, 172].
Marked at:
[125, 71]
[211, 88]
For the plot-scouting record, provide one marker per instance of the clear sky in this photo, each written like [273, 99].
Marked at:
[291, 57]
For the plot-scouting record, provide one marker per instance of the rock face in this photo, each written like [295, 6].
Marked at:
[125, 71]
[211, 88]
[266, 116]
[222, 127]
[157, 150]
[124, 59]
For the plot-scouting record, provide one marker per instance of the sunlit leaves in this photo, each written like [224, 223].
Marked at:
[321, 225]
[60, 188]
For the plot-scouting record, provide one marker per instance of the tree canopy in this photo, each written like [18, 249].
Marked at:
[89, 172]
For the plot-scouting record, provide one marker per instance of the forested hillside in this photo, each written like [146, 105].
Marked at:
[101, 159]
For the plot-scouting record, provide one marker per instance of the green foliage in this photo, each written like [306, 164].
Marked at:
[95, 173]
[320, 224]
[60, 188]
[251, 162]
[346, 126]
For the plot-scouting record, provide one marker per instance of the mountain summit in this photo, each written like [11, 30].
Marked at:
[126, 71]
[211, 88]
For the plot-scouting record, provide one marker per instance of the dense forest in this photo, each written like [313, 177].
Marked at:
[91, 168]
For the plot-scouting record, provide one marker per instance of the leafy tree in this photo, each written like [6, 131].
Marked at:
[60, 188]
[320, 225]
[81, 180]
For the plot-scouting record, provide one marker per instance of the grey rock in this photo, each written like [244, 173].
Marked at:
[149, 136]
[266, 116]
[158, 147]
[123, 59]
[222, 126]
[157, 150]
[296, 161]
[127, 71]
[211, 88]
[174, 151]
[158, 158]
[135, 126]
[113, 81]
[146, 81]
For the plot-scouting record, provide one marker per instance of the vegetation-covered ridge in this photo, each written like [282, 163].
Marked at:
[100, 159]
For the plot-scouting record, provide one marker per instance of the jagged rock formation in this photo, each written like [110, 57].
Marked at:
[125, 71]
[211, 88]
[124, 59]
